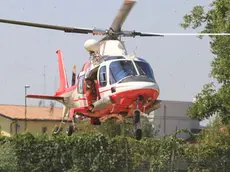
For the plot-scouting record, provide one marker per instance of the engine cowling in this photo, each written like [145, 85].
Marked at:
[91, 45]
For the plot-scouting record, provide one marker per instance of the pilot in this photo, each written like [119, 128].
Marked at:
[91, 94]
[123, 69]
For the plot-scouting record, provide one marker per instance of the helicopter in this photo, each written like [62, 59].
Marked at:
[112, 83]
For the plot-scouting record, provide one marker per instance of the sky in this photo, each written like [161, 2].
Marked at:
[181, 64]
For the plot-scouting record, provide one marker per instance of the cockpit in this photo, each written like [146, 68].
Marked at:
[117, 69]
[121, 70]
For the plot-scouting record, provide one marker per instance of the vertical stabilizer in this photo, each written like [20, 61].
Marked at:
[63, 84]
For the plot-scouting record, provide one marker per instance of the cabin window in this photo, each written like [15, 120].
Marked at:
[18, 126]
[120, 70]
[102, 76]
[81, 84]
[145, 69]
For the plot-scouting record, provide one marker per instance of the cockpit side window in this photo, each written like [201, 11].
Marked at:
[145, 69]
[81, 84]
[120, 70]
[102, 76]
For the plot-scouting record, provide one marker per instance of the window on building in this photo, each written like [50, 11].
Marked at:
[102, 76]
[18, 126]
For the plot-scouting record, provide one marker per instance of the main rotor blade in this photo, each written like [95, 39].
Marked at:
[122, 15]
[193, 34]
[46, 26]
[148, 34]
[134, 34]
[145, 34]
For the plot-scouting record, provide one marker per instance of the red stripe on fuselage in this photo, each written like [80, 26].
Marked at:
[79, 99]
[110, 89]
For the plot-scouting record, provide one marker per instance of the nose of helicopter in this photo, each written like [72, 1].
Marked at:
[139, 78]
[129, 89]
[139, 83]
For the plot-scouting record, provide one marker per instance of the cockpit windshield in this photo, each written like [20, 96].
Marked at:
[120, 70]
[144, 69]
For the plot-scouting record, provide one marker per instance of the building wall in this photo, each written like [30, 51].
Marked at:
[33, 127]
[172, 115]
[5, 126]
[38, 127]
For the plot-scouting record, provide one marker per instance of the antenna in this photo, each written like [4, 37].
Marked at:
[55, 88]
[55, 83]
[44, 84]
[135, 50]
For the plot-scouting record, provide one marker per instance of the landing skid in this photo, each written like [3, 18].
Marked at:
[70, 130]
[72, 127]
[95, 121]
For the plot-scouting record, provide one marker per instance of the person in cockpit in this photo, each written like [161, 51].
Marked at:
[122, 69]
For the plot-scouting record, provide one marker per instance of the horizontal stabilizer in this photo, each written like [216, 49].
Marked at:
[57, 98]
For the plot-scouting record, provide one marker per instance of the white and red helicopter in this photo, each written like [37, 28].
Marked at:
[122, 84]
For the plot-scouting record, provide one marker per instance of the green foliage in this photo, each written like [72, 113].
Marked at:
[207, 104]
[195, 19]
[112, 128]
[214, 20]
[211, 153]
[94, 152]
[7, 155]
[90, 152]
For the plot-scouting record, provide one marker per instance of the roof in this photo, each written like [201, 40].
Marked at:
[33, 112]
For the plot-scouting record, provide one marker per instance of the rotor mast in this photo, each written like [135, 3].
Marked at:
[111, 44]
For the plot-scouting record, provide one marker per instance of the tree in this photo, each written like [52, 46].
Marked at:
[113, 128]
[215, 20]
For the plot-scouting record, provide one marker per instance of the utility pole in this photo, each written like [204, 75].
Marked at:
[55, 88]
[55, 83]
[173, 151]
[164, 119]
[26, 87]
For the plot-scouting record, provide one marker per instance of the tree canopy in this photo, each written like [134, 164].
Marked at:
[214, 19]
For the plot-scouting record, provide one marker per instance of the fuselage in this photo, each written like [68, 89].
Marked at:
[120, 80]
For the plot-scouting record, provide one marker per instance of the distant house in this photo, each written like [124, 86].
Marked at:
[172, 115]
[37, 119]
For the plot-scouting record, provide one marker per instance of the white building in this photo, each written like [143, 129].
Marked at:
[172, 115]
